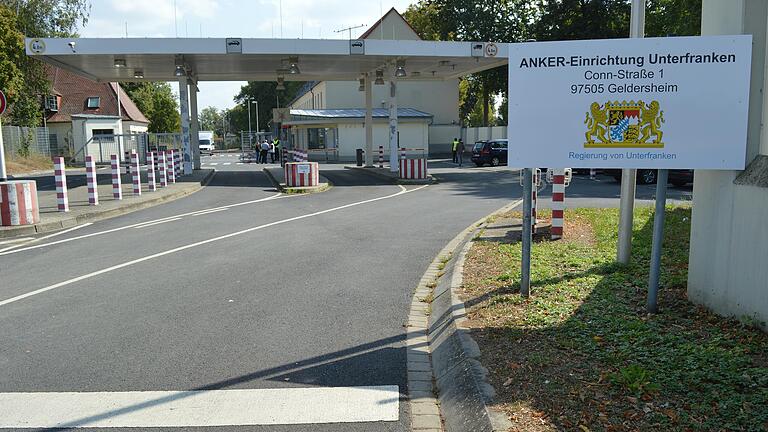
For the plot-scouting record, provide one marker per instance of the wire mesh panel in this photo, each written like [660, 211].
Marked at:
[24, 141]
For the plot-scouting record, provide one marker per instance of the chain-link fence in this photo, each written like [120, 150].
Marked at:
[21, 142]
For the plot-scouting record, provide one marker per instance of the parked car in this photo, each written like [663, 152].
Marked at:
[492, 152]
[678, 177]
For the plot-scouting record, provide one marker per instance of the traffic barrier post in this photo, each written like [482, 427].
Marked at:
[60, 175]
[302, 174]
[91, 183]
[381, 156]
[18, 203]
[171, 167]
[151, 182]
[558, 203]
[161, 169]
[117, 183]
[135, 173]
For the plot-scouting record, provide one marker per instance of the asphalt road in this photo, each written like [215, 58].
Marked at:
[238, 287]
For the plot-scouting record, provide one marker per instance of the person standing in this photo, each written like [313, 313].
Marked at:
[454, 148]
[264, 151]
[276, 142]
[271, 151]
[460, 152]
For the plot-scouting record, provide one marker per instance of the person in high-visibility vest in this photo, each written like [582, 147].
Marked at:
[276, 154]
[454, 148]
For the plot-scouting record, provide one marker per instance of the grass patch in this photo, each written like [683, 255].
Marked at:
[33, 162]
[581, 351]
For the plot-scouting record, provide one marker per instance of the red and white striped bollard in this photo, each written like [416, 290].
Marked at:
[151, 182]
[161, 168]
[381, 156]
[62, 199]
[558, 203]
[117, 183]
[135, 173]
[18, 203]
[92, 184]
[171, 167]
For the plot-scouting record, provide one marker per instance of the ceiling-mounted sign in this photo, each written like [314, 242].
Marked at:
[234, 45]
[357, 47]
[491, 49]
[678, 102]
[478, 49]
[37, 46]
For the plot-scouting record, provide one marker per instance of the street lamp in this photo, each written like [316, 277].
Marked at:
[250, 132]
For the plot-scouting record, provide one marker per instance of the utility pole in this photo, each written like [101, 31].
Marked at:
[629, 176]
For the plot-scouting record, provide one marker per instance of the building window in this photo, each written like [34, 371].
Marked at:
[51, 103]
[93, 102]
[316, 138]
[103, 131]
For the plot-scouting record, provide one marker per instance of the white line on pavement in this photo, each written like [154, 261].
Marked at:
[275, 196]
[213, 163]
[48, 236]
[205, 212]
[199, 243]
[156, 223]
[16, 240]
[237, 407]
[227, 163]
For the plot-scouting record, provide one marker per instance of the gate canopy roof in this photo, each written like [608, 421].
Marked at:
[206, 59]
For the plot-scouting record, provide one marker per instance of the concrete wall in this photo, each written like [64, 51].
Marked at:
[474, 134]
[352, 137]
[441, 137]
[729, 239]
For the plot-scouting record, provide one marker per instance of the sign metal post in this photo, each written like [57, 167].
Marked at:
[3, 105]
[658, 240]
[525, 271]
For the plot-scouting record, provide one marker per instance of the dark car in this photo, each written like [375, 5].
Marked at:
[492, 152]
[678, 177]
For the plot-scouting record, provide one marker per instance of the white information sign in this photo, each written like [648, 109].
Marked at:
[303, 169]
[678, 102]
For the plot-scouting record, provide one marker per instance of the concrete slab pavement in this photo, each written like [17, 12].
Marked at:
[81, 212]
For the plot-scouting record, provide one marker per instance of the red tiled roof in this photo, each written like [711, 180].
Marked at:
[74, 92]
[378, 23]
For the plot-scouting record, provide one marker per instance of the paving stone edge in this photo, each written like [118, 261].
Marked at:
[423, 321]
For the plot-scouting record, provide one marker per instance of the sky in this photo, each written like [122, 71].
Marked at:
[311, 19]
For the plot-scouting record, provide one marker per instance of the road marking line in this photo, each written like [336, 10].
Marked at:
[48, 236]
[276, 196]
[227, 163]
[241, 407]
[202, 213]
[156, 223]
[16, 240]
[199, 243]
[213, 163]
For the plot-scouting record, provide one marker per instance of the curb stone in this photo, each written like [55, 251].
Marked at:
[456, 376]
[96, 216]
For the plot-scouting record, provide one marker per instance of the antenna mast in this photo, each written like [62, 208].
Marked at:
[349, 29]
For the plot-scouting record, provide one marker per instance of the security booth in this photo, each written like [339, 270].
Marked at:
[340, 132]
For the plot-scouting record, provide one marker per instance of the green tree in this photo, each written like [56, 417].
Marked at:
[211, 119]
[475, 20]
[268, 97]
[36, 18]
[158, 103]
